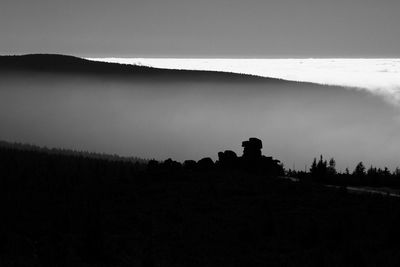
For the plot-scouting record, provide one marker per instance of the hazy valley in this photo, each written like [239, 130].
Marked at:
[151, 113]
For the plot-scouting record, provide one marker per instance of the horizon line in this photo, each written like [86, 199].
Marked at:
[192, 57]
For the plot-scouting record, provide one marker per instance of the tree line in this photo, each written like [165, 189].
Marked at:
[324, 171]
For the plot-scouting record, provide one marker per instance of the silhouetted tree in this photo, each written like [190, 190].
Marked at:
[396, 173]
[313, 168]
[359, 170]
[332, 167]
[386, 173]
[319, 169]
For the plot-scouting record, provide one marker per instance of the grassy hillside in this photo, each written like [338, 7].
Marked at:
[69, 210]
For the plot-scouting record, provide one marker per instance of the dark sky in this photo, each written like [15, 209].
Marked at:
[206, 28]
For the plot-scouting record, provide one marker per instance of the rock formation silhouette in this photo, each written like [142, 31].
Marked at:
[252, 161]
[227, 159]
[205, 164]
[252, 149]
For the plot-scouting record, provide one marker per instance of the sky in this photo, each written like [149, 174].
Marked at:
[207, 28]
[181, 121]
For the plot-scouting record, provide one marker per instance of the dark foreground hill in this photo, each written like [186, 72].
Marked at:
[69, 210]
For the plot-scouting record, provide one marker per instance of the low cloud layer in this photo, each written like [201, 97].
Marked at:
[192, 119]
[378, 76]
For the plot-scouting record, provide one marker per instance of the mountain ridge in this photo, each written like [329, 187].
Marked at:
[66, 64]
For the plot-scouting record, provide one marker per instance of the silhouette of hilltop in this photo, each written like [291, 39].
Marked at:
[64, 64]
[69, 210]
[24, 147]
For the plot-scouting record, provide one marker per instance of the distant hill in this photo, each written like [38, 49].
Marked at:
[24, 147]
[63, 64]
